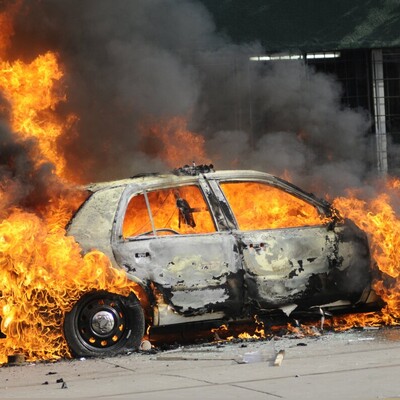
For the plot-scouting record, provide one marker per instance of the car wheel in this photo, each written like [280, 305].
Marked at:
[104, 324]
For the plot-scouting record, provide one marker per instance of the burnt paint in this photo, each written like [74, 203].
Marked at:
[232, 305]
[346, 275]
[242, 292]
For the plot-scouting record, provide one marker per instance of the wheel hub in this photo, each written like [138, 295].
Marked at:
[103, 322]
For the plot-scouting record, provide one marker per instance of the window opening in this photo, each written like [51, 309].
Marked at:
[260, 206]
[178, 210]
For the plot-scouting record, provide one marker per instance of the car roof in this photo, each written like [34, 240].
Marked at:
[140, 180]
[192, 174]
[152, 179]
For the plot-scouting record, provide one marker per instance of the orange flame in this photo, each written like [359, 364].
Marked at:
[378, 218]
[33, 96]
[42, 275]
[281, 210]
[175, 144]
[257, 331]
[42, 270]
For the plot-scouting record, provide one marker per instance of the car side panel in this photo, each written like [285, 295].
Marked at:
[303, 266]
[196, 274]
[92, 225]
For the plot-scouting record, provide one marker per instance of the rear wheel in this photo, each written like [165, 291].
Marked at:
[104, 324]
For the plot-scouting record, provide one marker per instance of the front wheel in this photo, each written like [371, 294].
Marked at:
[104, 324]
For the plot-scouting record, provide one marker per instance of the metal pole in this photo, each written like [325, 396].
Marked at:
[150, 213]
[379, 111]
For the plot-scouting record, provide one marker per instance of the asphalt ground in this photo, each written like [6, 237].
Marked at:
[358, 364]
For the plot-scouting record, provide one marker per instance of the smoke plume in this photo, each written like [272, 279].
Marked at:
[24, 183]
[129, 63]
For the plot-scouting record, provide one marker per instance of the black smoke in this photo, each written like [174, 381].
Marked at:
[25, 182]
[130, 62]
[22, 183]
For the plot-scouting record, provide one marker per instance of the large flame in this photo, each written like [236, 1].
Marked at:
[378, 218]
[42, 275]
[42, 271]
[31, 91]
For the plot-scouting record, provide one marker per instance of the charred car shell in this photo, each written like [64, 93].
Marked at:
[206, 245]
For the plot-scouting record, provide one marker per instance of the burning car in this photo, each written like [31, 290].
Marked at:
[203, 245]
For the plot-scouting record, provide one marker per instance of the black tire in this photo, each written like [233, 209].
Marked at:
[104, 324]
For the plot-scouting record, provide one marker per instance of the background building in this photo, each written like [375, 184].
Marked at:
[357, 41]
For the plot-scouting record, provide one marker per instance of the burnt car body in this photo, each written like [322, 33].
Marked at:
[211, 246]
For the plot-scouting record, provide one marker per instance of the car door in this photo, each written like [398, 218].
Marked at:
[289, 251]
[169, 238]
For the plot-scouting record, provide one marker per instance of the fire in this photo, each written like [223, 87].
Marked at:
[43, 272]
[378, 218]
[167, 216]
[230, 333]
[31, 91]
[174, 142]
[42, 275]
[281, 210]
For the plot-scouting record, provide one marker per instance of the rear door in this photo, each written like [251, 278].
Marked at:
[169, 238]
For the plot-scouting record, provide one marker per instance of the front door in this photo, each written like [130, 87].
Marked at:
[288, 252]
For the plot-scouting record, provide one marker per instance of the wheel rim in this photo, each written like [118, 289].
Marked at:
[102, 322]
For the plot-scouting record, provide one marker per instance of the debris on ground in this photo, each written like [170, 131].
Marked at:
[279, 358]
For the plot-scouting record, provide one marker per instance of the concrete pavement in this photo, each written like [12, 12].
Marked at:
[353, 365]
